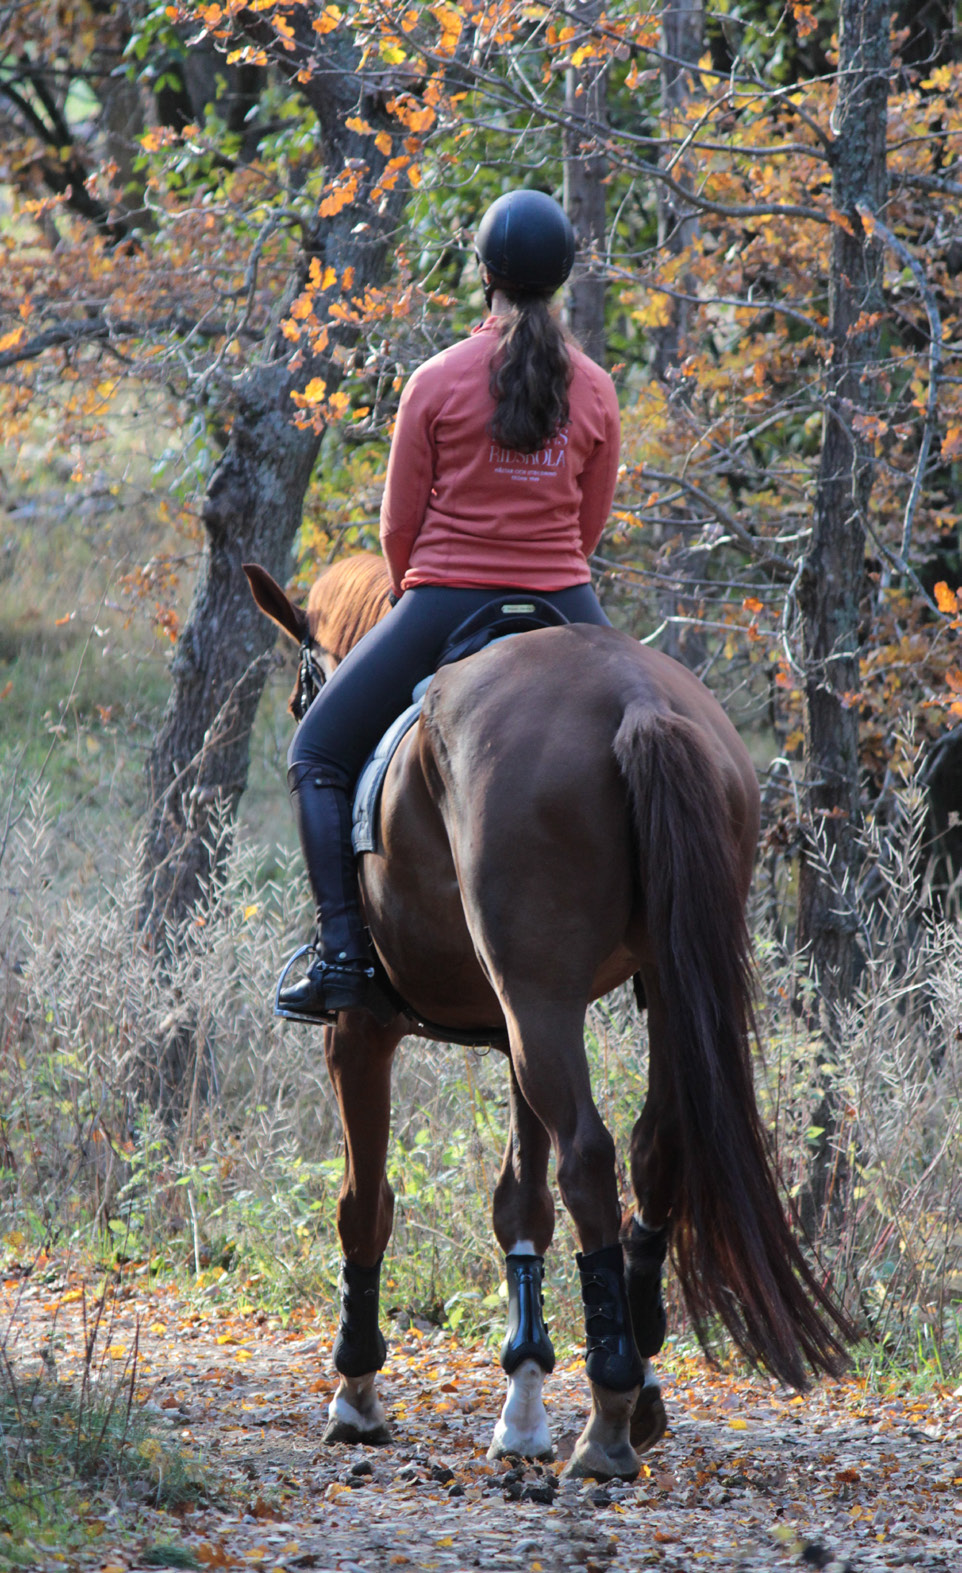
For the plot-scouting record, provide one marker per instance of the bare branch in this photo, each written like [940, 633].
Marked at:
[758, 547]
[935, 365]
[103, 330]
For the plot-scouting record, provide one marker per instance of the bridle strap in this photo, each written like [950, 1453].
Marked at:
[310, 680]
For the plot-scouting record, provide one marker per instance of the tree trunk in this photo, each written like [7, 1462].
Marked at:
[585, 168]
[682, 38]
[832, 580]
[197, 767]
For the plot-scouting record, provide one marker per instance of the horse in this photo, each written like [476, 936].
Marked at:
[572, 810]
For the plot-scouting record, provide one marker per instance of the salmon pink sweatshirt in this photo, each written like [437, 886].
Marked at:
[461, 510]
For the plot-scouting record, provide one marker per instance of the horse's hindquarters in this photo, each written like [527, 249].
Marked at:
[412, 902]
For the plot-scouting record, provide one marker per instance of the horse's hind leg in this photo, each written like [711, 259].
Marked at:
[523, 1225]
[359, 1057]
[547, 1047]
[645, 1234]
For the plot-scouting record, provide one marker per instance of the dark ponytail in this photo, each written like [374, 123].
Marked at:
[530, 375]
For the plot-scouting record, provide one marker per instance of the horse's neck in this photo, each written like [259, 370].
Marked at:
[346, 602]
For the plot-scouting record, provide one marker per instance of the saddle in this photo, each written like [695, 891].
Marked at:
[498, 619]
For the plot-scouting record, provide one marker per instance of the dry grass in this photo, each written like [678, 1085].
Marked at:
[244, 1178]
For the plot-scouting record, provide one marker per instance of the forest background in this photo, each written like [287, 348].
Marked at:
[228, 234]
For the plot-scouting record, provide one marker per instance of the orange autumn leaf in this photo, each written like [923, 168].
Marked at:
[339, 195]
[213, 1556]
[952, 443]
[328, 19]
[842, 220]
[945, 599]
[313, 393]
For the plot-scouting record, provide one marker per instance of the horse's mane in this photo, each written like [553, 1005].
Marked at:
[346, 601]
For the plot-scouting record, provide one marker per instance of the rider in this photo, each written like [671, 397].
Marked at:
[500, 478]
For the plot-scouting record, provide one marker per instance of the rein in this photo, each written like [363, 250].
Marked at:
[310, 680]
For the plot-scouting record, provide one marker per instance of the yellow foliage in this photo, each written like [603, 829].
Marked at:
[248, 56]
[655, 313]
[313, 393]
[391, 52]
[941, 79]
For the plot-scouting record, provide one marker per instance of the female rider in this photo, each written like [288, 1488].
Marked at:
[500, 479]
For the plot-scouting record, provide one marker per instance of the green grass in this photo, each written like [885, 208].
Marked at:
[74, 1451]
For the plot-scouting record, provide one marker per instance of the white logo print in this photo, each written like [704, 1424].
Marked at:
[529, 466]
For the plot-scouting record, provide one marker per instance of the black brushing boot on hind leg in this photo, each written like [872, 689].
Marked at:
[342, 975]
[611, 1357]
[645, 1251]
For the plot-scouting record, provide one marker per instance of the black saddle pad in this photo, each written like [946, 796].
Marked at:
[496, 619]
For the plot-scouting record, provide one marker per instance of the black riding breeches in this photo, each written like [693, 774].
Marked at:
[374, 683]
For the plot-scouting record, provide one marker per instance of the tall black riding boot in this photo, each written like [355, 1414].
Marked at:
[341, 976]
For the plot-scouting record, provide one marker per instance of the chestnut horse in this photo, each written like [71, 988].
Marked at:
[571, 810]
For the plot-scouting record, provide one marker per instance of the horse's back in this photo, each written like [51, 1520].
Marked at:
[507, 830]
[541, 713]
[519, 749]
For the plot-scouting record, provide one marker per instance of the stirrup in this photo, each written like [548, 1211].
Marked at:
[362, 981]
[327, 1018]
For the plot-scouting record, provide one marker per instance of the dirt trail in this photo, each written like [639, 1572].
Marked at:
[748, 1478]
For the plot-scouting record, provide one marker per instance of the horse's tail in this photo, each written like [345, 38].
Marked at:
[734, 1253]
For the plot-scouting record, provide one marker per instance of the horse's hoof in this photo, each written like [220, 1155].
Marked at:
[649, 1421]
[591, 1461]
[531, 1449]
[345, 1431]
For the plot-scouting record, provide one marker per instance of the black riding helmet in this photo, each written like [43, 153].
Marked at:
[526, 242]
